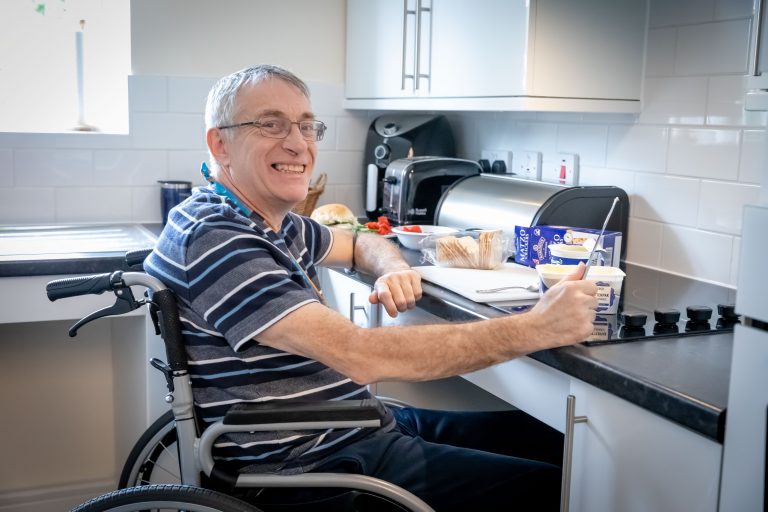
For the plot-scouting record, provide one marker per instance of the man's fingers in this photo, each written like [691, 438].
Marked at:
[576, 273]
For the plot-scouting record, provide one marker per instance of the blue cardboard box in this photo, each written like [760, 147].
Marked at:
[532, 244]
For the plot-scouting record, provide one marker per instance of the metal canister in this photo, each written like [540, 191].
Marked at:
[172, 192]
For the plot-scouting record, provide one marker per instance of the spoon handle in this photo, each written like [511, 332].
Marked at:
[599, 237]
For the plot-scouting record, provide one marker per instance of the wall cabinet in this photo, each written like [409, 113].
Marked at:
[623, 457]
[562, 55]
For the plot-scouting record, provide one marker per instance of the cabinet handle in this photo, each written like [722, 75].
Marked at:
[406, 13]
[570, 420]
[757, 37]
[353, 307]
[417, 71]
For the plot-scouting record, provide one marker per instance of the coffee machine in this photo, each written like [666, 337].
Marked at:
[392, 137]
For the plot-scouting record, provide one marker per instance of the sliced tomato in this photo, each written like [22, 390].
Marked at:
[411, 229]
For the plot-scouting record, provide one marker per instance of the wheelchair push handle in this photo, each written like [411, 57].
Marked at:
[81, 285]
[137, 257]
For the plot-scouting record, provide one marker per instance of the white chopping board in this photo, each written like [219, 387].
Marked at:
[466, 281]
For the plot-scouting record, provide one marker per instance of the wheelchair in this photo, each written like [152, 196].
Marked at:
[171, 467]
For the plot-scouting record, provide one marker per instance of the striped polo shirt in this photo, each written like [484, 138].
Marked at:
[233, 277]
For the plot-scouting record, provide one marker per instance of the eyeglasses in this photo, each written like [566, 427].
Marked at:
[276, 127]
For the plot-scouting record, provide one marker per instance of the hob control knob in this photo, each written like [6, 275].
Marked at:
[390, 129]
[727, 311]
[392, 180]
[699, 313]
[634, 319]
[666, 316]
[382, 151]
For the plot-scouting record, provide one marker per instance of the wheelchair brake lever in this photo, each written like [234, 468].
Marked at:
[125, 303]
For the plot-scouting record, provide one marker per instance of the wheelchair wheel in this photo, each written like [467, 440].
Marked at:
[154, 458]
[165, 498]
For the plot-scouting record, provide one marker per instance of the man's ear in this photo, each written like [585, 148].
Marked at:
[217, 146]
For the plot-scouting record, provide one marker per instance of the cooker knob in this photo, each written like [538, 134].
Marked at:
[699, 313]
[382, 151]
[666, 316]
[390, 129]
[727, 311]
[634, 319]
[392, 180]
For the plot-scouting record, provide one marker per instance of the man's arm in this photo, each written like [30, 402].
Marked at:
[563, 316]
[397, 288]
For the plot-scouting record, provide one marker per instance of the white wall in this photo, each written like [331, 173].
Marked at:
[689, 161]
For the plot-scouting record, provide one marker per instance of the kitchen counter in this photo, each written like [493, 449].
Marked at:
[682, 379]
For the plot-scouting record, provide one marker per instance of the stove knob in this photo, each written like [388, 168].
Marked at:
[727, 311]
[382, 151]
[666, 316]
[390, 129]
[392, 180]
[634, 319]
[699, 313]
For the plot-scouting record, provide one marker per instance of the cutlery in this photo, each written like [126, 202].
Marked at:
[599, 237]
[530, 288]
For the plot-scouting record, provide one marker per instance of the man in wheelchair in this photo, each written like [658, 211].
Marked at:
[243, 268]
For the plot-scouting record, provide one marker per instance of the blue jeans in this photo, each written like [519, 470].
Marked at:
[459, 461]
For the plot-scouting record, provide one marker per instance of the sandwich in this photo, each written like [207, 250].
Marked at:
[336, 215]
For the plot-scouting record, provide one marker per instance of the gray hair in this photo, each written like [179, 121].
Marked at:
[220, 106]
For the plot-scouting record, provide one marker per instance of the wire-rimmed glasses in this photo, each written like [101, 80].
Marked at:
[276, 127]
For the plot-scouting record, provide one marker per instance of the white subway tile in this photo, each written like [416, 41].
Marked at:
[27, 140]
[27, 205]
[506, 133]
[674, 100]
[665, 199]
[660, 52]
[188, 94]
[589, 175]
[722, 204]
[589, 141]
[680, 12]
[145, 204]
[704, 153]
[352, 196]
[93, 204]
[342, 167]
[328, 196]
[530, 136]
[700, 254]
[711, 48]
[93, 141]
[351, 133]
[6, 168]
[735, 261]
[644, 242]
[725, 103]
[754, 158]
[185, 165]
[637, 147]
[327, 99]
[147, 93]
[729, 9]
[129, 168]
[168, 131]
[53, 167]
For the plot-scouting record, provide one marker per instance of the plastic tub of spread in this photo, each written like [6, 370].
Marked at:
[609, 281]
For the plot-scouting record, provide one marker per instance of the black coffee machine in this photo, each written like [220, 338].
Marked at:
[392, 137]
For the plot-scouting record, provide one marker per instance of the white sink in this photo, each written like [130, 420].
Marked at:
[38, 242]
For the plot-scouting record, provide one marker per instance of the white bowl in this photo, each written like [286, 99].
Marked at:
[411, 240]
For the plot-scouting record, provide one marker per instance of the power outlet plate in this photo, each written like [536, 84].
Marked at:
[528, 165]
[493, 155]
[567, 171]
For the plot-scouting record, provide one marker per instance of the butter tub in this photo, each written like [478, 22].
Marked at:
[609, 281]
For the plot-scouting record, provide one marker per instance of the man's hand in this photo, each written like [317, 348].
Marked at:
[397, 291]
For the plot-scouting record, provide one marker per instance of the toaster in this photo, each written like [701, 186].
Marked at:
[413, 187]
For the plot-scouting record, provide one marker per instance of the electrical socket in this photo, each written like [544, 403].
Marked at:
[567, 171]
[498, 154]
[528, 165]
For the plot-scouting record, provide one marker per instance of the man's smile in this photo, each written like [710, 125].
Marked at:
[289, 168]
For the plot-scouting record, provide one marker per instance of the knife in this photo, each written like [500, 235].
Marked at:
[599, 237]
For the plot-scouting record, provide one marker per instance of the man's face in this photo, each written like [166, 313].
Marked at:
[271, 174]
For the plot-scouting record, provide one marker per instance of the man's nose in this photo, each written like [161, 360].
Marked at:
[295, 140]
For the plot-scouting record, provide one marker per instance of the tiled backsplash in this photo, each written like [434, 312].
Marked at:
[94, 177]
[690, 161]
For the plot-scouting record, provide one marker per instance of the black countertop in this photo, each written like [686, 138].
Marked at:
[682, 379]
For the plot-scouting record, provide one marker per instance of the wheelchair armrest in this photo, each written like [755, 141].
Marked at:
[295, 412]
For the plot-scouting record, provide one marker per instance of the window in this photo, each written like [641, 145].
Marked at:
[39, 56]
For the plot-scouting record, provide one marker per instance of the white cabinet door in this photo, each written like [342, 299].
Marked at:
[380, 34]
[349, 297]
[478, 48]
[626, 458]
